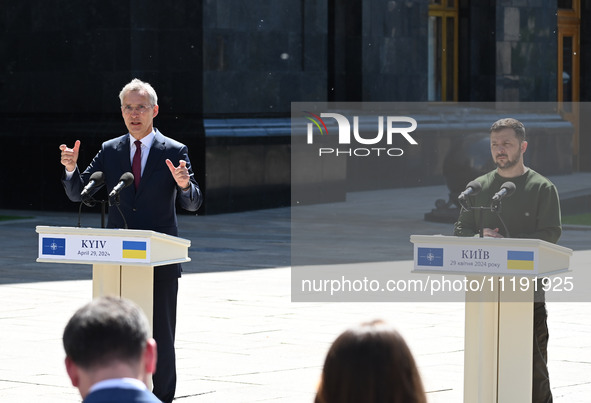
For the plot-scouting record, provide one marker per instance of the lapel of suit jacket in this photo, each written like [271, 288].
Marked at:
[154, 158]
[123, 151]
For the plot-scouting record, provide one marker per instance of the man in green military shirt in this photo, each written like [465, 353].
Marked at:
[532, 211]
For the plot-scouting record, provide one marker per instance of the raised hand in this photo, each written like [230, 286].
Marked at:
[180, 173]
[70, 156]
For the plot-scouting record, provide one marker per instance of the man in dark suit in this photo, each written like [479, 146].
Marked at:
[109, 352]
[162, 177]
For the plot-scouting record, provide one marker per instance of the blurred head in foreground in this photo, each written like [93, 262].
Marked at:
[370, 363]
[108, 338]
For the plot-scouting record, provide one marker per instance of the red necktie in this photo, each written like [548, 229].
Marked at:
[136, 166]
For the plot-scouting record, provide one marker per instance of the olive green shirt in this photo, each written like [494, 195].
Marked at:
[532, 211]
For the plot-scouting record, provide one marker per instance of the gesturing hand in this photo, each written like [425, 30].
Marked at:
[180, 173]
[70, 156]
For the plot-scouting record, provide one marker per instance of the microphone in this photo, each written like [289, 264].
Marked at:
[96, 180]
[125, 180]
[506, 190]
[472, 189]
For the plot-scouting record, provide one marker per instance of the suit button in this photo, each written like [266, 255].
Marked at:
[134, 209]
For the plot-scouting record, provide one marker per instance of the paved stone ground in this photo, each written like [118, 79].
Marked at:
[239, 336]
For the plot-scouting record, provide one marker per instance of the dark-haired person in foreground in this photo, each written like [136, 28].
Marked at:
[532, 211]
[110, 355]
[370, 363]
[163, 178]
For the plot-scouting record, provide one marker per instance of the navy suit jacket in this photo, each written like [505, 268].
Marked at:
[121, 395]
[153, 205]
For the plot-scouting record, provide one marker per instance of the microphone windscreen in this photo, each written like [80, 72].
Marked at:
[98, 177]
[509, 187]
[126, 178]
[476, 187]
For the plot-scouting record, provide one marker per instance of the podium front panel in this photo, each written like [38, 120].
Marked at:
[94, 249]
[488, 256]
[484, 259]
[110, 246]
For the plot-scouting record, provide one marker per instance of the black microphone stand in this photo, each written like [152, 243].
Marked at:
[116, 202]
[103, 203]
[495, 208]
[91, 202]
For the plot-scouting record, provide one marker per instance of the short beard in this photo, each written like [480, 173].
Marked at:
[509, 164]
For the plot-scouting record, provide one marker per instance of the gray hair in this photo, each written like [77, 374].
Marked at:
[140, 86]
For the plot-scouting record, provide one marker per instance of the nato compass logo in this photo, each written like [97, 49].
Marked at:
[54, 246]
[430, 257]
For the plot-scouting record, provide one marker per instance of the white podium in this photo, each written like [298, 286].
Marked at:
[499, 310]
[122, 261]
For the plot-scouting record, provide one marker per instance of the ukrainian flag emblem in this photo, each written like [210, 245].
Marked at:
[519, 260]
[134, 250]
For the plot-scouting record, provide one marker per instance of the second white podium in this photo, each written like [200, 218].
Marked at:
[498, 339]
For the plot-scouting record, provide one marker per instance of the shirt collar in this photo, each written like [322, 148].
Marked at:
[125, 383]
[146, 141]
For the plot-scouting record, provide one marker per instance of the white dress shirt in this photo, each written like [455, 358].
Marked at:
[122, 383]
